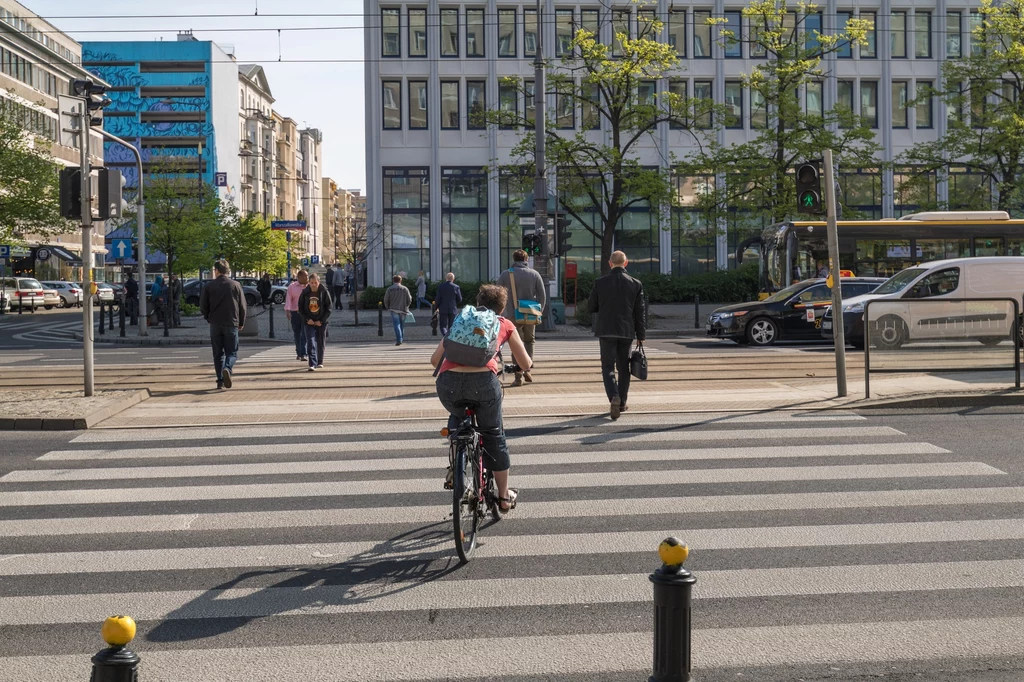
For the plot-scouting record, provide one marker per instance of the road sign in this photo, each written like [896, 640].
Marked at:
[314, 259]
[288, 225]
[69, 111]
[121, 248]
[220, 179]
[5, 251]
[305, 262]
[42, 255]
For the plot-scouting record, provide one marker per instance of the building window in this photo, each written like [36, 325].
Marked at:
[815, 105]
[922, 34]
[390, 26]
[953, 28]
[677, 88]
[620, 27]
[450, 105]
[898, 34]
[812, 31]
[869, 49]
[476, 105]
[506, 33]
[449, 33]
[530, 32]
[732, 43]
[978, 96]
[844, 97]
[475, 32]
[704, 97]
[417, 105]
[417, 33]
[529, 104]
[758, 110]
[899, 104]
[923, 108]
[734, 104]
[677, 31]
[869, 103]
[590, 21]
[406, 224]
[844, 49]
[565, 111]
[508, 104]
[591, 112]
[645, 19]
[973, 30]
[392, 105]
[464, 223]
[564, 20]
[701, 35]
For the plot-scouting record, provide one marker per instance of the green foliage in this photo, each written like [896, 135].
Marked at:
[182, 218]
[189, 310]
[29, 185]
[248, 243]
[985, 133]
[370, 296]
[717, 286]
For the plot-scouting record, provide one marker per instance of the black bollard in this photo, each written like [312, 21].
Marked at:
[120, 320]
[672, 613]
[433, 320]
[271, 313]
[167, 320]
[116, 663]
[696, 312]
[380, 318]
[110, 318]
[101, 317]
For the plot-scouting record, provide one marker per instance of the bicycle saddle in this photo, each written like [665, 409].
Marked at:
[466, 405]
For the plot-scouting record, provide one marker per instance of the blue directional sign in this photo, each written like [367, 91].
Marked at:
[314, 259]
[121, 248]
[288, 225]
[5, 251]
[305, 262]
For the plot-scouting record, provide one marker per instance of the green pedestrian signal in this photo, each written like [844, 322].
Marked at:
[808, 189]
[808, 200]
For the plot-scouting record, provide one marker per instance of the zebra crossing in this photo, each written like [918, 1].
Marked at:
[821, 541]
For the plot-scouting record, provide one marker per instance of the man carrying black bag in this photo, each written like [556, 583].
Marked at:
[618, 301]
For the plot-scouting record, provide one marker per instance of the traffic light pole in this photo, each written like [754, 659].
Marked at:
[140, 231]
[834, 268]
[87, 332]
[540, 182]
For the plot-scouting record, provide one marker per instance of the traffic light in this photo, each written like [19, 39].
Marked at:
[95, 96]
[808, 189]
[562, 235]
[71, 192]
[110, 201]
[531, 243]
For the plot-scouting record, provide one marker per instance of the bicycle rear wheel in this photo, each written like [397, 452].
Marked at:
[465, 498]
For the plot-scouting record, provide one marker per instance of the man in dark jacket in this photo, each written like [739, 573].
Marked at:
[529, 287]
[175, 297]
[315, 308]
[618, 301]
[265, 288]
[222, 304]
[447, 302]
[131, 290]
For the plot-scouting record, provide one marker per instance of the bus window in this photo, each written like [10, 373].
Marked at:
[937, 284]
[941, 249]
[988, 246]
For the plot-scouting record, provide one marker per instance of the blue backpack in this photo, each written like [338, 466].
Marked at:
[473, 337]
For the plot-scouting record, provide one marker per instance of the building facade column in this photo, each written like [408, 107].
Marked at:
[374, 196]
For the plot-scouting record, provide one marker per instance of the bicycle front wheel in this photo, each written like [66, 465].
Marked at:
[465, 498]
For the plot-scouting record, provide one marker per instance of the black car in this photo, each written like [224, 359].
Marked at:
[191, 292]
[792, 314]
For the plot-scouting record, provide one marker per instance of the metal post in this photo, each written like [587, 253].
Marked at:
[116, 663]
[380, 318]
[110, 315]
[167, 310]
[673, 585]
[87, 350]
[838, 333]
[101, 317]
[288, 252]
[120, 320]
[696, 311]
[540, 181]
[271, 313]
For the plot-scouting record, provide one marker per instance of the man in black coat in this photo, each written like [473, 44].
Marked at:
[222, 304]
[447, 302]
[618, 301]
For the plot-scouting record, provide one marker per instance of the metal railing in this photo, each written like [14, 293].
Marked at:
[985, 321]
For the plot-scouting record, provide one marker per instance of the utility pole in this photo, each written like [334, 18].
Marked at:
[834, 278]
[87, 350]
[540, 181]
[355, 271]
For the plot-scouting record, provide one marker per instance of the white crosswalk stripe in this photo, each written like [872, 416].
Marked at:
[217, 540]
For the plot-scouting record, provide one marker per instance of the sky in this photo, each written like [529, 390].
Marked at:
[328, 96]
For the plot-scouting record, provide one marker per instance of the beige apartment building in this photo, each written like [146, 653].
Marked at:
[285, 176]
[339, 220]
[38, 63]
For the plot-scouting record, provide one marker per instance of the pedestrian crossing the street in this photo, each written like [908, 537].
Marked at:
[820, 541]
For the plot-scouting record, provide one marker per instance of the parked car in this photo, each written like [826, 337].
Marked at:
[791, 314]
[22, 292]
[191, 292]
[277, 292]
[51, 299]
[955, 279]
[70, 293]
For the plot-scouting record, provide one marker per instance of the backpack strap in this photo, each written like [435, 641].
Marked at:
[515, 298]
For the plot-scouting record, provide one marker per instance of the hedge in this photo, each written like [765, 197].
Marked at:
[370, 296]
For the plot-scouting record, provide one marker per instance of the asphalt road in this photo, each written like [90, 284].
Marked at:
[828, 546]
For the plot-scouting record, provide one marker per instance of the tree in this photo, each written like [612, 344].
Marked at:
[182, 220]
[247, 242]
[29, 179]
[984, 92]
[601, 175]
[758, 172]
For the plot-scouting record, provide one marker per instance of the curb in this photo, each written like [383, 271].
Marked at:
[1015, 399]
[171, 341]
[75, 424]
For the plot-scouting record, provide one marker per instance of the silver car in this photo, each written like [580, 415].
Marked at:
[70, 293]
[22, 292]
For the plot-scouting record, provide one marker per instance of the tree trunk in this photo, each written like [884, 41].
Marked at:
[607, 245]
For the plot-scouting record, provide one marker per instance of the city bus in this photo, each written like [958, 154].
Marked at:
[795, 250]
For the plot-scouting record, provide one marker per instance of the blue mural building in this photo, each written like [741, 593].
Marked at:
[177, 102]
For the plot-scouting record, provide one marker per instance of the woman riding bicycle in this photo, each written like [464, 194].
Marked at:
[480, 386]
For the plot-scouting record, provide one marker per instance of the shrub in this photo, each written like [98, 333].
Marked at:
[189, 310]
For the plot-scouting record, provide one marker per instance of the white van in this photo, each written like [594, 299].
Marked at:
[959, 279]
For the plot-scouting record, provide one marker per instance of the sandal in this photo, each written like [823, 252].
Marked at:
[449, 479]
[513, 496]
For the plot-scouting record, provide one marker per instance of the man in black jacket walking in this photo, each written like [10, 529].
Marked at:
[222, 304]
[315, 308]
[618, 301]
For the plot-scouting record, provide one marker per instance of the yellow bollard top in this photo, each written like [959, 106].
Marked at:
[118, 630]
[673, 552]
